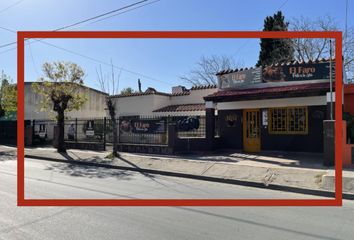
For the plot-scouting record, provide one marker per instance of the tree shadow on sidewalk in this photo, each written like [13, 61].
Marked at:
[7, 156]
[150, 176]
[78, 170]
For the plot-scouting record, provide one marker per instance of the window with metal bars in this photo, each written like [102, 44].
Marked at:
[289, 120]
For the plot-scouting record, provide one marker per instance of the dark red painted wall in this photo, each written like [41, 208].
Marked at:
[349, 98]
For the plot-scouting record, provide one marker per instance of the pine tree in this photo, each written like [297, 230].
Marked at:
[275, 50]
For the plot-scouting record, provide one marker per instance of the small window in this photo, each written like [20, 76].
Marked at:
[291, 120]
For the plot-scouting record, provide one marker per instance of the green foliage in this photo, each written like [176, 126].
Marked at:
[275, 50]
[61, 87]
[112, 156]
[127, 91]
[8, 96]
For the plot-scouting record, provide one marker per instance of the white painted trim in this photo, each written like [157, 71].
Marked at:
[268, 103]
[334, 97]
[210, 104]
[180, 113]
[329, 96]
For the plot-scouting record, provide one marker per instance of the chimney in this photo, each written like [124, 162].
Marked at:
[179, 89]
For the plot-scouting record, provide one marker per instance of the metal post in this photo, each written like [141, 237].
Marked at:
[33, 131]
[104, 133]
[118, 132]
[330, 78]
[75, 129]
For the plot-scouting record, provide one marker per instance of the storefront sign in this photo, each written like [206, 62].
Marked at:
[240, 78]
[297, 72]
[142, 126]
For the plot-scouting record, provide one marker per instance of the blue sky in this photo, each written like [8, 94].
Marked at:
[158, 63]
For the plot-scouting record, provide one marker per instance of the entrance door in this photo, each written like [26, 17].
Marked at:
[251, 130]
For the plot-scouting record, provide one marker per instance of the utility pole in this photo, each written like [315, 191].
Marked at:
[139, 85]
[330, 78]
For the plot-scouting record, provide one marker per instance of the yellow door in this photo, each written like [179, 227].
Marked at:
[251, 130]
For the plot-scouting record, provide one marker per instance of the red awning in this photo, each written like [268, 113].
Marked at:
[298, 90]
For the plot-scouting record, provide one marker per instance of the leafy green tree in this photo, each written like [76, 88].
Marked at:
[127, 91]
[60, 91]
[275, 50]
[8, 96]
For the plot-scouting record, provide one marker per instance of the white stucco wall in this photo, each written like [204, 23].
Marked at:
[146, 104]
[93, 108]
[195, 96]
[140, 105]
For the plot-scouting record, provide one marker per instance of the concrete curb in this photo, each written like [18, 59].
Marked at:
[321, 193]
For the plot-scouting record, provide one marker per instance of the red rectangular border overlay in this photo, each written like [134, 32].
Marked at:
[21, 201]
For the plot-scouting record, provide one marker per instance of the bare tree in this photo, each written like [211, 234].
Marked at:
[316, 48]
[110, 85]
[206, 68]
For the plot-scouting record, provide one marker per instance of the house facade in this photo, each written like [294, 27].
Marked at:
[180, 102]
[278, 107]
[94, 107]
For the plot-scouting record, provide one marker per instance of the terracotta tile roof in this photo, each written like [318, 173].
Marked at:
[202, 87]
[269, 92]
[184, 93]
[140, 94]
[226, 71]
[181, 93]
[182, 108]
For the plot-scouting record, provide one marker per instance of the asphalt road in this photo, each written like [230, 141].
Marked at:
[57, 180]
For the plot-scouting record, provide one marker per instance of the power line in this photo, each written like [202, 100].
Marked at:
[85, 56]
[248, 40]
[101, 15]
[33, 62]
[102, 62]
[89, 19]
[11, 6]
[117, 14]
[114, 15]
[3, 10]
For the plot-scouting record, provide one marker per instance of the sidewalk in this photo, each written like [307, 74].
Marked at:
[295, 172]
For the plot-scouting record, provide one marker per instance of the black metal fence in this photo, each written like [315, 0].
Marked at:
[75, 130]
[150, 130]
[43, 131]
[190, 126]
[85, 130]
[8, 131]
[144, 130]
